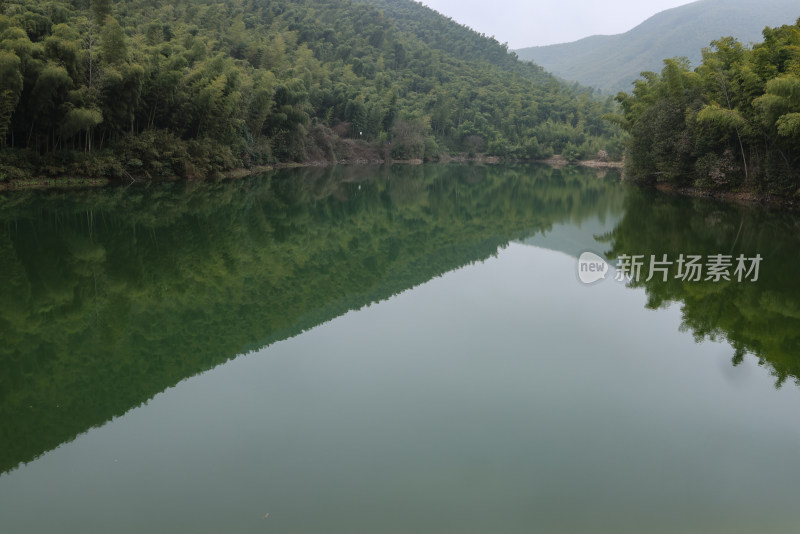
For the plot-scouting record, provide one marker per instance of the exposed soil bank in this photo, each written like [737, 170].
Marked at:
[600, 164]
[561, 161]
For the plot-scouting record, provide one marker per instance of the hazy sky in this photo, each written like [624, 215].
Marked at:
[523, 23]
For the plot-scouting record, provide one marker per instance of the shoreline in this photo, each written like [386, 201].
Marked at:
[558, 162]
[72, 182]
[746, 197]
[743, 197]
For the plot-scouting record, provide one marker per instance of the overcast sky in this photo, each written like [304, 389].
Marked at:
[522, 23]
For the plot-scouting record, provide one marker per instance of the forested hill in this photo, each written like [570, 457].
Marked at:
[443, 33]
[612, 62]
[733, 123]
[192, 87]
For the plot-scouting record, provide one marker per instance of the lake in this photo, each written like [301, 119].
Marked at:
[401, 349]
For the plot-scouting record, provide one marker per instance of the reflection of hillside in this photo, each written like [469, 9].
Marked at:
[575, 238]
[111, 296]
[762, 318]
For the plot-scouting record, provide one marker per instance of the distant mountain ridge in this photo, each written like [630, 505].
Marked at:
[612, 62]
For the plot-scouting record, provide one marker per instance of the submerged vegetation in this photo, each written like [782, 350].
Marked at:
[731, 123]
[194, 87]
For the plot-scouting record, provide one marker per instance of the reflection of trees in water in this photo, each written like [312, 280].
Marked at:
[760, 317]
[110, 296]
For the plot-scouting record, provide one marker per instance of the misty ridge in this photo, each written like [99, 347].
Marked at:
[611, 63]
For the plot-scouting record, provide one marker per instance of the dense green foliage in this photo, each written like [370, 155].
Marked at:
[112, 295]
[762, 317]
[612, 63]
[191, 87]
[732, 122]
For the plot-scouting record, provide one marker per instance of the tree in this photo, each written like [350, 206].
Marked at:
[100, 9]
[48, 99]
[81, 120]
[10, 89]
[738, 104]
[112, 38]
[408, 139]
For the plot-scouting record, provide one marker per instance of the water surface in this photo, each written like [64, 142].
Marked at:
[392, 350]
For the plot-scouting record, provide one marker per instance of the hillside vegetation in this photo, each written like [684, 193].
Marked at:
[192, 87]
[734, 122]
[612, 62]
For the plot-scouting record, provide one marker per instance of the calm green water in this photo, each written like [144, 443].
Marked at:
[366, 350]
